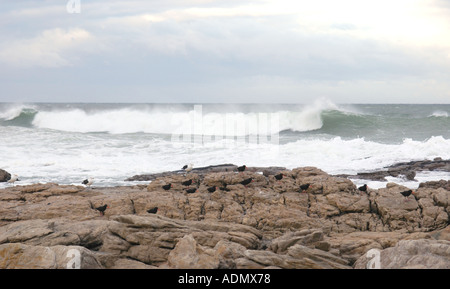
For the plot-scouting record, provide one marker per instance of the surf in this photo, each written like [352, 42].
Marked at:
[159, 120]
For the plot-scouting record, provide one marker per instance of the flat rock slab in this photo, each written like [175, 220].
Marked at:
[205, 170]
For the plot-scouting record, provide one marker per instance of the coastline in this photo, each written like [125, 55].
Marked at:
[268, 223]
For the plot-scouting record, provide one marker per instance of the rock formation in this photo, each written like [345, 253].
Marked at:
[4, 176]
[266, 224]
[406, 170]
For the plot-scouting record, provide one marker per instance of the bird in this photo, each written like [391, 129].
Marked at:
[212, 189]
[188, 168]
[363, 188]
[407, 193]
[102, 209]
[241, 168]
[167, 187]
[246, 181]
[152, 210]
[224, 188]
[191, 190]
[13, 179]
[88, 182]
[187, 183]
[304, 187]
[279, 176]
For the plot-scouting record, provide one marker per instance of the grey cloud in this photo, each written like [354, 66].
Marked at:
[130, 56]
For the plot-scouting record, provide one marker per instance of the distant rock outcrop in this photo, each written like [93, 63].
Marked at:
[406, 170]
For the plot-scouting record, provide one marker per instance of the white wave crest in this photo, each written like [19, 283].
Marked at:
[12, 111]
[194, 121]
[439, 113]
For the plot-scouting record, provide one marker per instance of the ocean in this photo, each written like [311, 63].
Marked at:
[68, 142]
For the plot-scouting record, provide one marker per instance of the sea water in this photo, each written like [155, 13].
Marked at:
[66, 143]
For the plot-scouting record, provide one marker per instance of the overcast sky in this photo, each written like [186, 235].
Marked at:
[235, 51]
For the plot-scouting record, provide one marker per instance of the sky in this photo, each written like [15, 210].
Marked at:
[233, 51]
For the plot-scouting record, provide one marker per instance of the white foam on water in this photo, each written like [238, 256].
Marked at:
[13, 110]
[192, 121]
[439, 113]
[42, 155]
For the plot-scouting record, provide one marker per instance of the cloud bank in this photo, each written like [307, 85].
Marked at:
[226, 51]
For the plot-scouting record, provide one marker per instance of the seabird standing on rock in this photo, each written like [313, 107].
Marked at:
[13, 179]
[212, 189]
[363, 188]
[224, 188]
[152, 210]
[246, 181]
[187, 183]
[241, 168]
[407, 193]
[167, 187]
[191, 190]
[88, 182]
[304, 187]
[279, 176]
[188, 168]
[102, 209]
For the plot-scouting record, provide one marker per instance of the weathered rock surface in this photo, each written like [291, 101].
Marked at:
[406, 170]
[21, 256]
[266, 224]
[206, 170]
[412, 254]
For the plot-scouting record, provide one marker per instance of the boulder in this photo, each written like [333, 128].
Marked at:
[4, 176]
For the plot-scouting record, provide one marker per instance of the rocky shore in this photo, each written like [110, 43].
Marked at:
[268, 223]
[406, 170]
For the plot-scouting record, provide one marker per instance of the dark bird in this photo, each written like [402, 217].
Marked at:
[167, 187]
[191, 190]
[224, 188]
[246, 181]
[304, 187]
[187, 183]
[211, 189]
[152, 210]
[407, 193]
[241, 168]
[102, 209]
[363, 188]
[279, 177]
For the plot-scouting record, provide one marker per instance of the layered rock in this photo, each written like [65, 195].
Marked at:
[268, 223]
[21, 256]
[410, 254]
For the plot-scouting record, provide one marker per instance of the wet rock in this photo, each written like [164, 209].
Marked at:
[4, 176]
[406, 169]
